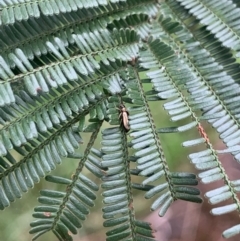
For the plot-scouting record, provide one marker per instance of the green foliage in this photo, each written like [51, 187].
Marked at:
[65, 68]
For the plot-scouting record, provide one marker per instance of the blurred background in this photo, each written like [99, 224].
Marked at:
[182, 222]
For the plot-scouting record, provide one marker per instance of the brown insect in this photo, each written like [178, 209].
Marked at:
[124, 117]
[203, 133]
[133, 61]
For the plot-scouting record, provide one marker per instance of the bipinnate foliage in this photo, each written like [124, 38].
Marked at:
[65, 68]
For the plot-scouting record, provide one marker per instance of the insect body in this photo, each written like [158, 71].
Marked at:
[124, 117]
